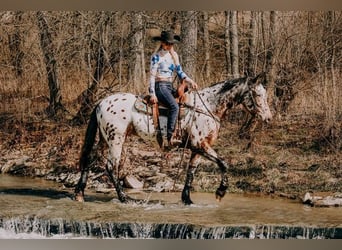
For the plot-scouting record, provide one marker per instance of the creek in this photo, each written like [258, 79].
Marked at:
[36, 208]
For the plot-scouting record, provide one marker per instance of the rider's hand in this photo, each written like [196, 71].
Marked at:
[193, 84]
[153, 99]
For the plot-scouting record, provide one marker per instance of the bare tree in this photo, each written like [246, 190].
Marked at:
[234, 43]
[15, 41]
[137, 73]
[303, 57]
[270, 54]
[328, 58]
[88, 96]
[206, 44]
[227, 44]
[251, 61]
[55, 105]
[189, 42]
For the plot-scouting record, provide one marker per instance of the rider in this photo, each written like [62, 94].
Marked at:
[163, 63]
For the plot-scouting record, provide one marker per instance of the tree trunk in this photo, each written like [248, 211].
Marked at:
[206, 45]
[14, 45]
[328, 68]
[234, 43]
[137, 74]
[227, 45]
[270, 58]
[88, 97]
[251, 61]
[189, 42]
[55, 105]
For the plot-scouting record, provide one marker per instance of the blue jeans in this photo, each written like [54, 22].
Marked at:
[164, 94]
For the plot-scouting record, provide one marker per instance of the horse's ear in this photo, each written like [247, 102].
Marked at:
[254, 80]
[246, 73]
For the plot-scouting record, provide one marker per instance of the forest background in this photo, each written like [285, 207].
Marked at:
[55, 65]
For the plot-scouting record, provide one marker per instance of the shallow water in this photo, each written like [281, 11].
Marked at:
[42, 204]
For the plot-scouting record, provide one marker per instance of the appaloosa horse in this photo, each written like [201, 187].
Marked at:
[116, 117]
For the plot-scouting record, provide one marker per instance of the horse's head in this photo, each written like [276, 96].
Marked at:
[255, 100]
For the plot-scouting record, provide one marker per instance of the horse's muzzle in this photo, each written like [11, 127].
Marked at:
[267, 118]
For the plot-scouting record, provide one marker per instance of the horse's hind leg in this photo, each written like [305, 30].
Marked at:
[82, 182]
[115, 149]
[85, 165]
[118, 187]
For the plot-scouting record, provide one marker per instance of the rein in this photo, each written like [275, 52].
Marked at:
[198, 110]
[254, 103]
[185, 146]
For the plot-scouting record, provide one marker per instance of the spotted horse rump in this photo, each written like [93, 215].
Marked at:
[115, 116]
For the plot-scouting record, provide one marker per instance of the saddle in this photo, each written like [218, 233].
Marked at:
[144, 105]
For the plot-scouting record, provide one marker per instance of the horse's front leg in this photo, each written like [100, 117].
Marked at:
[189, 178]
[211, 154]
[222, 189]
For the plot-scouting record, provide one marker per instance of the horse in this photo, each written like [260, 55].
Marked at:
[116, 117]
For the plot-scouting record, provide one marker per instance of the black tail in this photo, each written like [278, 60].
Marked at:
[89, 141]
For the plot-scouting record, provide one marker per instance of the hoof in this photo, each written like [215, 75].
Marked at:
[220, 194]
[187, 202]
[218, 198]
[79, 198]
[186, 198]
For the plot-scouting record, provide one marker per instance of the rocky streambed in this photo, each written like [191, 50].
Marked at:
[150, 171]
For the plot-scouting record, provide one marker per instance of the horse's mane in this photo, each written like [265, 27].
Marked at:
[229, 84]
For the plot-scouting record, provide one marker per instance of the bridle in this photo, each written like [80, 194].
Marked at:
[254, 103]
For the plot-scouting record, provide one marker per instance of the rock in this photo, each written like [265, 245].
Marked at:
[7, 166]
[338, 195]
[329, 201]
[132, 182]
[334, 200]
[307, 199]
[103, 188]
[20, 170]
[13, 165]
[310, 199]
[72, 180]
[50, 177]
[164, 186]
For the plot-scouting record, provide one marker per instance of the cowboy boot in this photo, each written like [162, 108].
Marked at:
[175, 139]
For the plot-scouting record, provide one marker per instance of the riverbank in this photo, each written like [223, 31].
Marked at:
[288, 159]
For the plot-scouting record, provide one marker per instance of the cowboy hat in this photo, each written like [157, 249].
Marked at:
[167, 36]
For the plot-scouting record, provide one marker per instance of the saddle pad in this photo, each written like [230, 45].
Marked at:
[142, 106]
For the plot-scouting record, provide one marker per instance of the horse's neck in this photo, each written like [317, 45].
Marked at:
[222, 96]
[207, 97]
